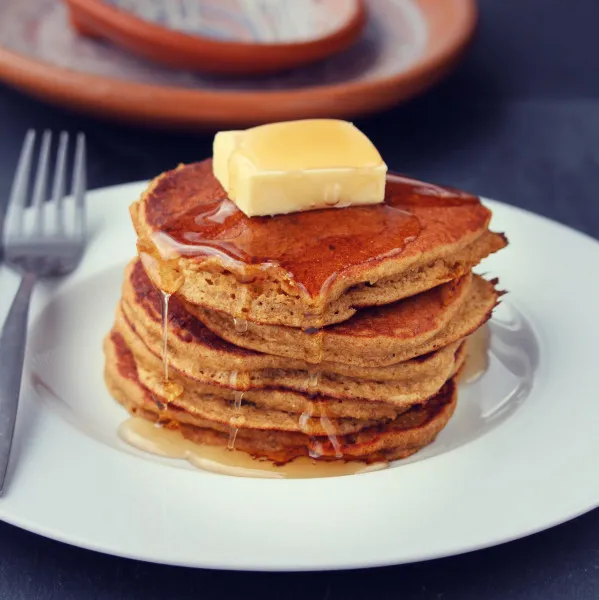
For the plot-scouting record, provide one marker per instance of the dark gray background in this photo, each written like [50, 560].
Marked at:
[518, 121]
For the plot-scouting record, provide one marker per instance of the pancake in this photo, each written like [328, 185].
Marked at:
[394, 397]
[195, 405]
[307, 269]
[399, 437]
[377, 336]
[200, 355]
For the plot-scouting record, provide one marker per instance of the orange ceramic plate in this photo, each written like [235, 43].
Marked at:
[407, 46]
[224, 36]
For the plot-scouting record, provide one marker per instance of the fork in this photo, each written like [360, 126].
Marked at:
[40, 251]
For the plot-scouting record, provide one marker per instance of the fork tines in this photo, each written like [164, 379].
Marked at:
[15, 219]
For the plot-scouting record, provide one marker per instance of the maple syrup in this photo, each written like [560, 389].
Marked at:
[171, 390]
[313, 247]
[304, 422]
[167, 280]
[331, 434]
[313, 378]
[233, 431]
[164, 306]
[237, 400]
[236, 421]
[148, 437]
[240, 325]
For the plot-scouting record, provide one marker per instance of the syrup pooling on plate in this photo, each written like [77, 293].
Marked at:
[154, 439]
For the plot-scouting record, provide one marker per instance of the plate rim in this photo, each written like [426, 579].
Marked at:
[251, 563]
[179, 107]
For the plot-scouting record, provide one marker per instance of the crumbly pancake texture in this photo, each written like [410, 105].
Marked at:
[394, 438]
[305, 269]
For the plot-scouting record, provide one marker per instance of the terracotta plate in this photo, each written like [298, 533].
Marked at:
[224, 36]
[407, 45]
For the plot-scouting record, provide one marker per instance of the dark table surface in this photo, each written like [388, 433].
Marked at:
[518, 121]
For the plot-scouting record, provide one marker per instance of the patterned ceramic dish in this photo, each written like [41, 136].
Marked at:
[407, 45]
[224, 36]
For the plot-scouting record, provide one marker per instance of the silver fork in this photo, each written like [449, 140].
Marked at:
[37, 251]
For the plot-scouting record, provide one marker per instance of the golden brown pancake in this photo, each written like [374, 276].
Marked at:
[325, 333]
[392, 399]
[200, 355]
[377, 336]
[305, 269]
[396, 438]
[199, 403]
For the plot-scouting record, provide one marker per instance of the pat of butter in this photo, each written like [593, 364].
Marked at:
[298, 165]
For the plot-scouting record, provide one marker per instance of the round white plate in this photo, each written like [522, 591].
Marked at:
[519, 455]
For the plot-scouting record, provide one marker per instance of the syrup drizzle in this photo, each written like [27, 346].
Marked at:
[167, 280]
[315, 353]
[161, 441]
[331, 434]
[171, 390]
[233, 431]
[241, 325]
[165, 301]
[237, 420]
[238, 399]
[313, 378]
[191, 216]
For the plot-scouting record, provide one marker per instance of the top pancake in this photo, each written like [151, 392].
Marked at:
[305, 269]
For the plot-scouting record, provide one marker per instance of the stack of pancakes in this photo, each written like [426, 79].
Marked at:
[332, 334]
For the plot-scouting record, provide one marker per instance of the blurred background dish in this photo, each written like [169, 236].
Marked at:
[224, 36]
[406, 46]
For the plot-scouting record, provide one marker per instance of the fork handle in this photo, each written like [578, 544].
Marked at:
[12, 354]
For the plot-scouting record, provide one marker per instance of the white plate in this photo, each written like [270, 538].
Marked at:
[518, 457]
